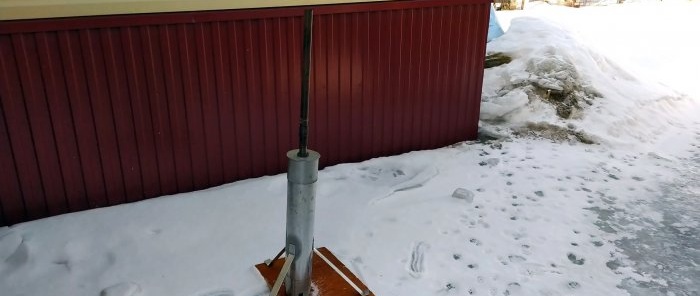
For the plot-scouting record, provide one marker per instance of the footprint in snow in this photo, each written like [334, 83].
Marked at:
[407, 182]
[376, 174]
[13, 249]
[575, 260]
[122, 289]
[613, 264]
[475, 241]
[491, 162]
[417, 266]
[516, 258]
[573, 285]
[512, 288]
[156, 231]
[531, 199]
[17, 251]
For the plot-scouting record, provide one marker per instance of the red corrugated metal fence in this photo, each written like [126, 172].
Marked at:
[105, 110]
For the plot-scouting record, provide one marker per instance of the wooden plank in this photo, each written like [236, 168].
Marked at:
[324, 278]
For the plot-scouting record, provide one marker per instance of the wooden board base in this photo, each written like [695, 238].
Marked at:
[324, 278]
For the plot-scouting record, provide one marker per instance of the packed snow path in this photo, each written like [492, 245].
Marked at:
[668, 250]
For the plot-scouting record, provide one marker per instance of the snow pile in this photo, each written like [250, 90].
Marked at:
[556, 81]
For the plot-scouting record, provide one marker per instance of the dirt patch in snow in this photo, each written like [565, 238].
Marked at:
[549, 79]
[555, 80]
[496, 59]
[553, 132]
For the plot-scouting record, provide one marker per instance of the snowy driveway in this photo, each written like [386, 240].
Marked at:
[659, 232]
[667, 250]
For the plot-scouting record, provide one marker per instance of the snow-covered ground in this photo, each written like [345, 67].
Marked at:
[541, 213]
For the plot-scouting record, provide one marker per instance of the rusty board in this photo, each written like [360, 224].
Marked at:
[324, 278]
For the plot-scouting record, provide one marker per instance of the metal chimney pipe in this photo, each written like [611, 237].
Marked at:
[301, 188]
[301, 200]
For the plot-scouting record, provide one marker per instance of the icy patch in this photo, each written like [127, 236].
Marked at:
[498, 107]
[464, 194]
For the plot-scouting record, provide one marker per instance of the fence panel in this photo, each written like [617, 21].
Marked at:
[98, 111]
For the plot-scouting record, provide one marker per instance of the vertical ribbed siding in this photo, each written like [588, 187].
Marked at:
[102, 111]
[390, 81]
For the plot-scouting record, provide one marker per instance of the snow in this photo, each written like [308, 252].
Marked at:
[656, 41]
[547, 56]
[516, 215]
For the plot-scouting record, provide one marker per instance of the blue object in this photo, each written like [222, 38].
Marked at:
[495, 29]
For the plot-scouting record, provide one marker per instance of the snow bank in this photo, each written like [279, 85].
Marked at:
[556, 79]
